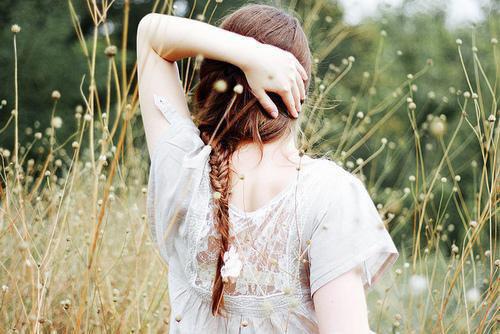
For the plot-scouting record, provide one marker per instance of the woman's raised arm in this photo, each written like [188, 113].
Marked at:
[163, 39]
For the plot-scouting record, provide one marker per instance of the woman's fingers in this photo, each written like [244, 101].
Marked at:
[302, 87]
[301, 69]
[296, 94]
[288, 99]
[267, 103]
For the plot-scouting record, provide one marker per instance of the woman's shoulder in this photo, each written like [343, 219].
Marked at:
[332, 175]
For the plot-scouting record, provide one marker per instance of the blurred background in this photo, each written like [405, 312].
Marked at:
[405, 95]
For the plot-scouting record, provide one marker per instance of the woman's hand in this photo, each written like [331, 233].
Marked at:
[269, 68]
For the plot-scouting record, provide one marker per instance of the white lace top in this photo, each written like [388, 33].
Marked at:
[321, 225]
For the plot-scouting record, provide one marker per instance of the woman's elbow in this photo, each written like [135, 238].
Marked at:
[144, 26]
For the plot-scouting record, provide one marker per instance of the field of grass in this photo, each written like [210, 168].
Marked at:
[76, 254]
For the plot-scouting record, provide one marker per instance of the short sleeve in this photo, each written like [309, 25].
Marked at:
[170, 181]
[182, 136]
[348, 232]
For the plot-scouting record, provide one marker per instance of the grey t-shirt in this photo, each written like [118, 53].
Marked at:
[320, 226]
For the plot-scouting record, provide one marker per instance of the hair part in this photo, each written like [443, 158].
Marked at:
[228, 120]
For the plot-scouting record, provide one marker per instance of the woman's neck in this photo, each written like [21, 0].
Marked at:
[281, 149]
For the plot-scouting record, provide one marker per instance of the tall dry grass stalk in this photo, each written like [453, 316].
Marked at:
[76, 254]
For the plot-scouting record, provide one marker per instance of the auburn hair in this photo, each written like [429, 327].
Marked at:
[242, 119]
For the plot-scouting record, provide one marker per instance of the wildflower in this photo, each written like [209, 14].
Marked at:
[5, 153]
[56, 122]
[494, 41]
[75, 144]
[267, 306]
[399, 53]
[13, 112]
[238, 89]
[409, 76]
[487, 253]
[110, 51]
[473, 295]
[15, 28]
[412, 106]
[475, 96]
[454, 249]
[458, 41]
[467, 94]
[56, 95]
[457, 178]
[473, 223]
[418, 283]
[437, 127]
[66, 303]
[293, 302]
[220, 86]
[383, 33]
[411, 178]
[491, 118]
[232, 265]
[351, 59]
[406, 265]
[360, 114]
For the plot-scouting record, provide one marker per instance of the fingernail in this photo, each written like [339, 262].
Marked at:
[275, 113]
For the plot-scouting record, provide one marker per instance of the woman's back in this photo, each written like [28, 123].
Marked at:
[315, 223]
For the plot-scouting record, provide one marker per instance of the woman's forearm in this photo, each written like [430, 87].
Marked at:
[174, 38]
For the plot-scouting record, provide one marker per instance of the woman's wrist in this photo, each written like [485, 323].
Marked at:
[245, 53]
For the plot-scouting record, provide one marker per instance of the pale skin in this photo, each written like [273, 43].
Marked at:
[161, 41]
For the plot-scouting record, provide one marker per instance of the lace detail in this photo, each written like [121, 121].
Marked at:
[269, 246]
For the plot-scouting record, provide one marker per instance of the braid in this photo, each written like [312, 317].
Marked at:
[220, 179]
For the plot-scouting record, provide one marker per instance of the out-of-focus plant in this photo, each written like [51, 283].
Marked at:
[76, 250]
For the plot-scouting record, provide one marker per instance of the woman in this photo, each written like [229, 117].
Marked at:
[258, 237]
